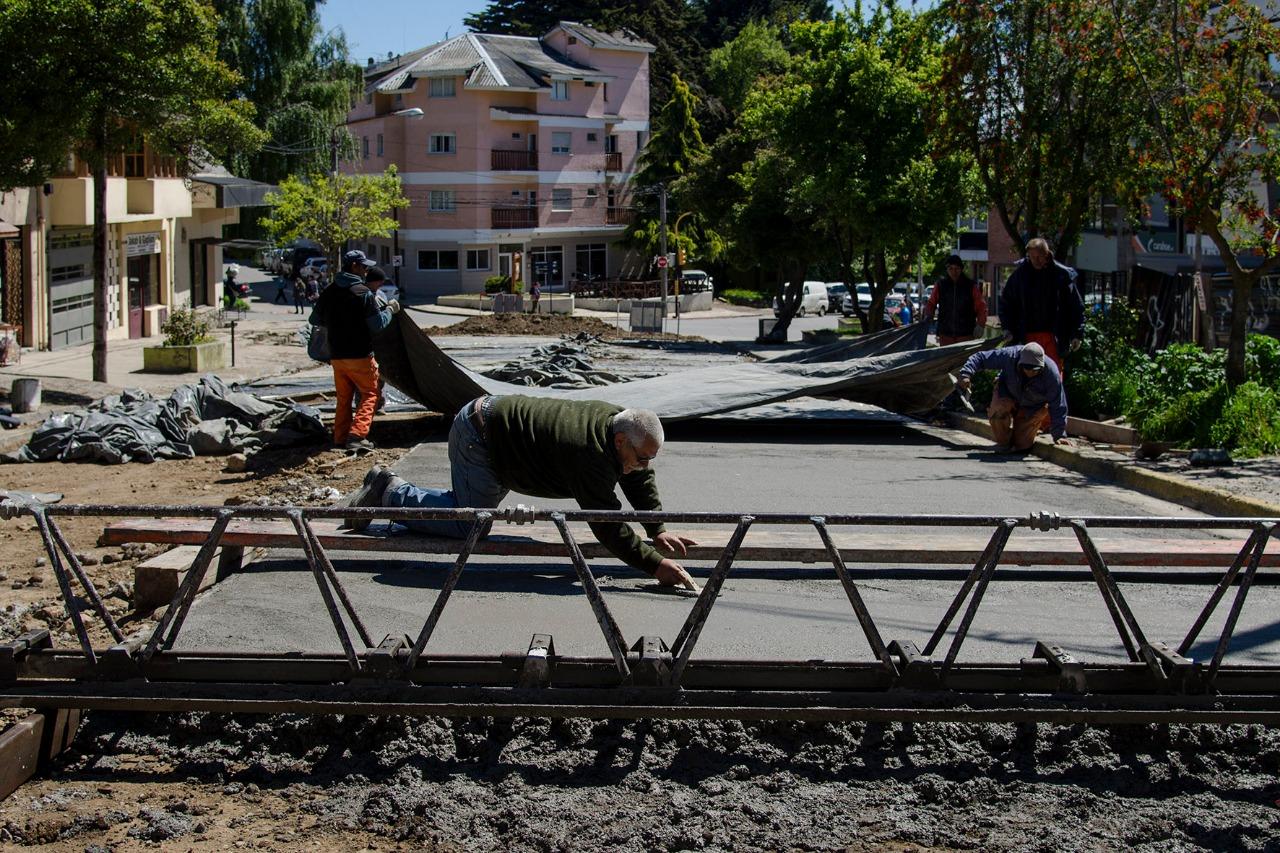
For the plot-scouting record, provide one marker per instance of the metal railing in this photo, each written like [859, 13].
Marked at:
[514, 217]
[513, 160]
[899, 680]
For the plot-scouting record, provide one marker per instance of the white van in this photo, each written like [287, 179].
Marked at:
[813, 297]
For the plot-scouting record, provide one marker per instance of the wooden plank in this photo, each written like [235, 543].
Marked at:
[156, 580]
[1100, 432]
[936, 546]
[20, 753]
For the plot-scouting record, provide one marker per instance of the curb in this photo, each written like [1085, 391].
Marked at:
[1156, 484]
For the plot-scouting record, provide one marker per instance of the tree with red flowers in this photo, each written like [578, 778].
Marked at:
[1207, 139]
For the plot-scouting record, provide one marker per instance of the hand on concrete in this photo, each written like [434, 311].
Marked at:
[673, 543]
[671, 573]
[964, 382]
[394, 306]
[1064, 441]
[1074, 345]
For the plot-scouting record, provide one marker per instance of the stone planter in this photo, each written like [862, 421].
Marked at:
[197, 358]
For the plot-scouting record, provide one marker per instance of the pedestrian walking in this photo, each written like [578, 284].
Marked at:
[299, 295]
[281, 298]
[1040, 303]
[1028, 395]
[535, 293]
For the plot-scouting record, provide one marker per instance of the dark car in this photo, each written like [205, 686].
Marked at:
[835, 296]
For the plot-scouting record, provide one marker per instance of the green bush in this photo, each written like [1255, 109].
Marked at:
[1102, 376]
[1174, 374]
[241, 305]
[1249, 423]
[752, 298]
[185, 328]
[1185, 419]
[1262, 360]
[498, 284]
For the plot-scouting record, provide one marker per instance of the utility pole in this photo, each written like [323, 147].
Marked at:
[662, 238]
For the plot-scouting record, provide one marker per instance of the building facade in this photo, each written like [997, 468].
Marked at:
[520, 162]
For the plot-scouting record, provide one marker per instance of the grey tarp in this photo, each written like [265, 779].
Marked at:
[908, 381]
[204, 419]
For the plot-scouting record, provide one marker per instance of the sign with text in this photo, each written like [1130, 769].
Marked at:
[142, 244]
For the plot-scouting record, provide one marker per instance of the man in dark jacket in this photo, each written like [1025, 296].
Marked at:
[1027, 397]
[959, 304]
[352, 316]
[544, 447]
[1040, 303]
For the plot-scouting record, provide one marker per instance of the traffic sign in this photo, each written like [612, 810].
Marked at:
[662, 262]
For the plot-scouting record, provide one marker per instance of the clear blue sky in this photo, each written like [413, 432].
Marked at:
[374, 27]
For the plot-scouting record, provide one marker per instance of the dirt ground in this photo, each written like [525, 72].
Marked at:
[538, 324]
[218, 782]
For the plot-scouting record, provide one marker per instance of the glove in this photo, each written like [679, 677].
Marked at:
[394, 306]
[1074, 345]
[964, 382]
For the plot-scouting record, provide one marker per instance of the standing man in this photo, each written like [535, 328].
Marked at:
[1027, 396]
[350, 312]
[1040, 303]
[580, 449]
[958, 302]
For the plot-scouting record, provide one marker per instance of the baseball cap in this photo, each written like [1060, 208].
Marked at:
[1032, 355]
[355, 256]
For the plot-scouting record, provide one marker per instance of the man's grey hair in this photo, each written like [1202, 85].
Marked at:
[1039, 243]
[638, 425]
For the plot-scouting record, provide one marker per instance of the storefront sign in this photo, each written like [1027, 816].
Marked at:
[142, 244]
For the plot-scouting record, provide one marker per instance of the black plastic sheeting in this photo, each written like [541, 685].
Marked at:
[889, 369]
[206, 419]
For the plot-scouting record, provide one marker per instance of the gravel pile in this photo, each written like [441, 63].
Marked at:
[655, 785]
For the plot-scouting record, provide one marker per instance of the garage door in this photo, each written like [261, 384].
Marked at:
[70, 287]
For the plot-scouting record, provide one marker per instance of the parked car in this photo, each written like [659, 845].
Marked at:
[695, 281]
[813, 297]
[863, 291]
[836, 292]
[318, 267]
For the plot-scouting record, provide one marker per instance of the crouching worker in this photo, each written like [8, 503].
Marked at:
[1028, 395]
[580, 449]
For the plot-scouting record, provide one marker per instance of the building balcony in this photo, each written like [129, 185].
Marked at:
[513, 160]
[514, 217]
[613, 161]
[618, 216]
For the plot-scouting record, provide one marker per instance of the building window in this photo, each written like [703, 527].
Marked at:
[553, 258]
[365, 148]
[604, 88]
[591, 258]
[443, 201]
[431, 260]
[561, 200]
[533, 198]
[591, 137]
[443, 143]
[135, 161]
[385, 254]
[561, 141]
[477, 259]
[379, 144]
[371, 250]
[559, 90]
[442, 87]
[611, 144]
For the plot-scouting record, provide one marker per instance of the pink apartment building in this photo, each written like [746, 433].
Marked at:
[520, 161]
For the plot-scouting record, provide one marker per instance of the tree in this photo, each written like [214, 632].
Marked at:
[141, 71]
[674, 150]
[1031, 96]
[300, 79]
[852, 118]
[1207, 139]
[333, 210]
[723, 20]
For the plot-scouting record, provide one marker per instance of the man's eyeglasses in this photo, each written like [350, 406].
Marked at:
[640, 457]
[1031, 368]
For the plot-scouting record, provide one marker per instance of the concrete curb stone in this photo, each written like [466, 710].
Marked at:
[1121, 472]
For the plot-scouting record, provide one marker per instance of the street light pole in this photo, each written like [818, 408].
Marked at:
[662, 243]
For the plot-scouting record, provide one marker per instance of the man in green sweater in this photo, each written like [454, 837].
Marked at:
[580, 449]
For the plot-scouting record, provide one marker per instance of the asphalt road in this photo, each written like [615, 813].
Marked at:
[274, 605]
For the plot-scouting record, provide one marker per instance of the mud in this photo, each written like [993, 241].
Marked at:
[599, 785]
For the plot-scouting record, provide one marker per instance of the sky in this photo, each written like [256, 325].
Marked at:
[374, 27]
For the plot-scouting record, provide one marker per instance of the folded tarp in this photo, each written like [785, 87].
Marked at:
[911, 381]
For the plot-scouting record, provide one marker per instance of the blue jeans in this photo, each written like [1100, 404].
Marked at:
[475, 483]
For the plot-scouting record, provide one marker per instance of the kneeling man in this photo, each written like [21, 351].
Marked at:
[1028, 395]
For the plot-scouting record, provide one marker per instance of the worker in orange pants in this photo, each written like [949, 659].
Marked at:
[354, 379]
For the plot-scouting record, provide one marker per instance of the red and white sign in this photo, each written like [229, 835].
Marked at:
[662, 262]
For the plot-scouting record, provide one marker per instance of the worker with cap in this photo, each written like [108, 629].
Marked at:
[1028, 395]
[958, 303]
[351, 314]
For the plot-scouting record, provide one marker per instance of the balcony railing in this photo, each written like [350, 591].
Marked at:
[613, 161]
[513, 161]
[618, 216]
[514, 217]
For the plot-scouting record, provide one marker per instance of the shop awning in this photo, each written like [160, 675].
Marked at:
[237, 192]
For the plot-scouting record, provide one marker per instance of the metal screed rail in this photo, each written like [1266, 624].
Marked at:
[648, 678]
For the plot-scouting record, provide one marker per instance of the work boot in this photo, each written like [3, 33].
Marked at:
[370, 494]
[360, 445]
